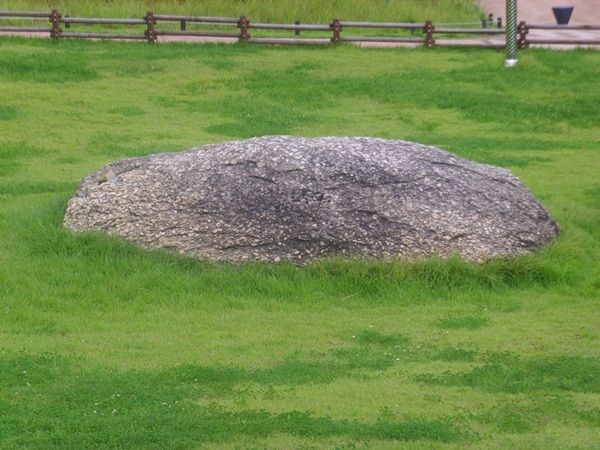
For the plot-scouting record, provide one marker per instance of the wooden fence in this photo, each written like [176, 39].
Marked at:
[243, 30]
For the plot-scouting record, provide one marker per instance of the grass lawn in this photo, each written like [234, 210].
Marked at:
[272, 11]
[103, 345]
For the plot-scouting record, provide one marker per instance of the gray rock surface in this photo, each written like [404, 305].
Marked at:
[279, 198]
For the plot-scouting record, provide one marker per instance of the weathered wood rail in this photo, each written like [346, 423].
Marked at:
[243, 30]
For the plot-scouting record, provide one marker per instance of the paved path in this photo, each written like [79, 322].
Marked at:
[539, 12]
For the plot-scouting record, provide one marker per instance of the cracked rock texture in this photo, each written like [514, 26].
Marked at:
[279, 198]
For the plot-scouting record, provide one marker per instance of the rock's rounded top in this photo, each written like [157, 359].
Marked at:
[278, 198]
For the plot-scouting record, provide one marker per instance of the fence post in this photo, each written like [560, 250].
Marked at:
[243, 26]
[297, 31]
[336, 28]
[55, 20]
[150, 22]
[428, 30]
[523, 31]
[183, 25]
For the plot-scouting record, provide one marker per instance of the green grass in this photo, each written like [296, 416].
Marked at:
[308, 11]
[104, 345]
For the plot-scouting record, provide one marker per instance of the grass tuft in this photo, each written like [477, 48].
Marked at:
[46, 68]
[8, 112]
[506, 372]
[463, 322]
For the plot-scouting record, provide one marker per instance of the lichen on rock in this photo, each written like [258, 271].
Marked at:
[278, 198]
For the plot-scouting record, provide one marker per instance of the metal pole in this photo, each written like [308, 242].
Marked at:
[511, 33]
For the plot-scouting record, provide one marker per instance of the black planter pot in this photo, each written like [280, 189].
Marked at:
[562, 14]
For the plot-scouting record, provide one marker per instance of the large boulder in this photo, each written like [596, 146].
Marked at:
[279, 198]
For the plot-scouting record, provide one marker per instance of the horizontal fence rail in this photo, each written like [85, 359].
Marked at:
[24, 14]
[407, 26]
[241, 29]
[411, 27]
[199, 19]
[525, 40]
